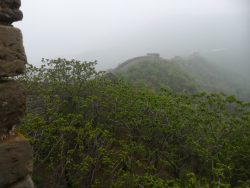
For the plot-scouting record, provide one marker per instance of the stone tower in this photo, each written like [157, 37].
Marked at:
[15, 151]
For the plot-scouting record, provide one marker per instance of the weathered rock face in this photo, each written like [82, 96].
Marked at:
[12, 4]
[15, 151]
[12, 104]
[12, 54]
[9, 11]
[15, 160]
[24, 183]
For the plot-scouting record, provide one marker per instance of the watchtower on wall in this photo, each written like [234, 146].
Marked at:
[154, 55]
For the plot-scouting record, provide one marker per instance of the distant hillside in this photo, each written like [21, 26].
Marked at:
[156, 72]
[190, 74]
[213, 78]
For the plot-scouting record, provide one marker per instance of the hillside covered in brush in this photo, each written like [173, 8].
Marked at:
[189, 74]
[89, 131]
[156, 72]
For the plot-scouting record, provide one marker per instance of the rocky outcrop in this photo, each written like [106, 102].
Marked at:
[9, 11]
[15, 159]
[23, 183]
[12, 102]
[12, 55]
[15, 151]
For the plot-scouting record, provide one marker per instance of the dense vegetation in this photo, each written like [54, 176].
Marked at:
[193, 73]
[92, 131]
[156, 73]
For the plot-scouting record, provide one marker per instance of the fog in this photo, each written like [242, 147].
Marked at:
[112, 31]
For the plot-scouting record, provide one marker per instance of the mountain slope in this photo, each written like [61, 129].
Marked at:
[190, 74]
[213, 78]
[156, 72]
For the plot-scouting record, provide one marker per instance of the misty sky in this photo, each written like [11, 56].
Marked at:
[111, 31]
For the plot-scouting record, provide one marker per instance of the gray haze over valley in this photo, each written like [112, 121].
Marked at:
[112, 31]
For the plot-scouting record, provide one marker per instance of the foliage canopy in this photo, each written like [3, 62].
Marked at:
[92, 131]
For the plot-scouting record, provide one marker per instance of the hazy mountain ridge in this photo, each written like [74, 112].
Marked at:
[156, 73]
[213, 78]
[184, 74]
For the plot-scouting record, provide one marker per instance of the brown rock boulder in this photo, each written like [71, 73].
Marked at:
[12, 54]
[12, 104]
[15, 160]
[9, 11]
[24, 183]
[13, 4]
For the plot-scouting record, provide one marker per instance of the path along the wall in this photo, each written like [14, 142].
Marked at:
[15, 151]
